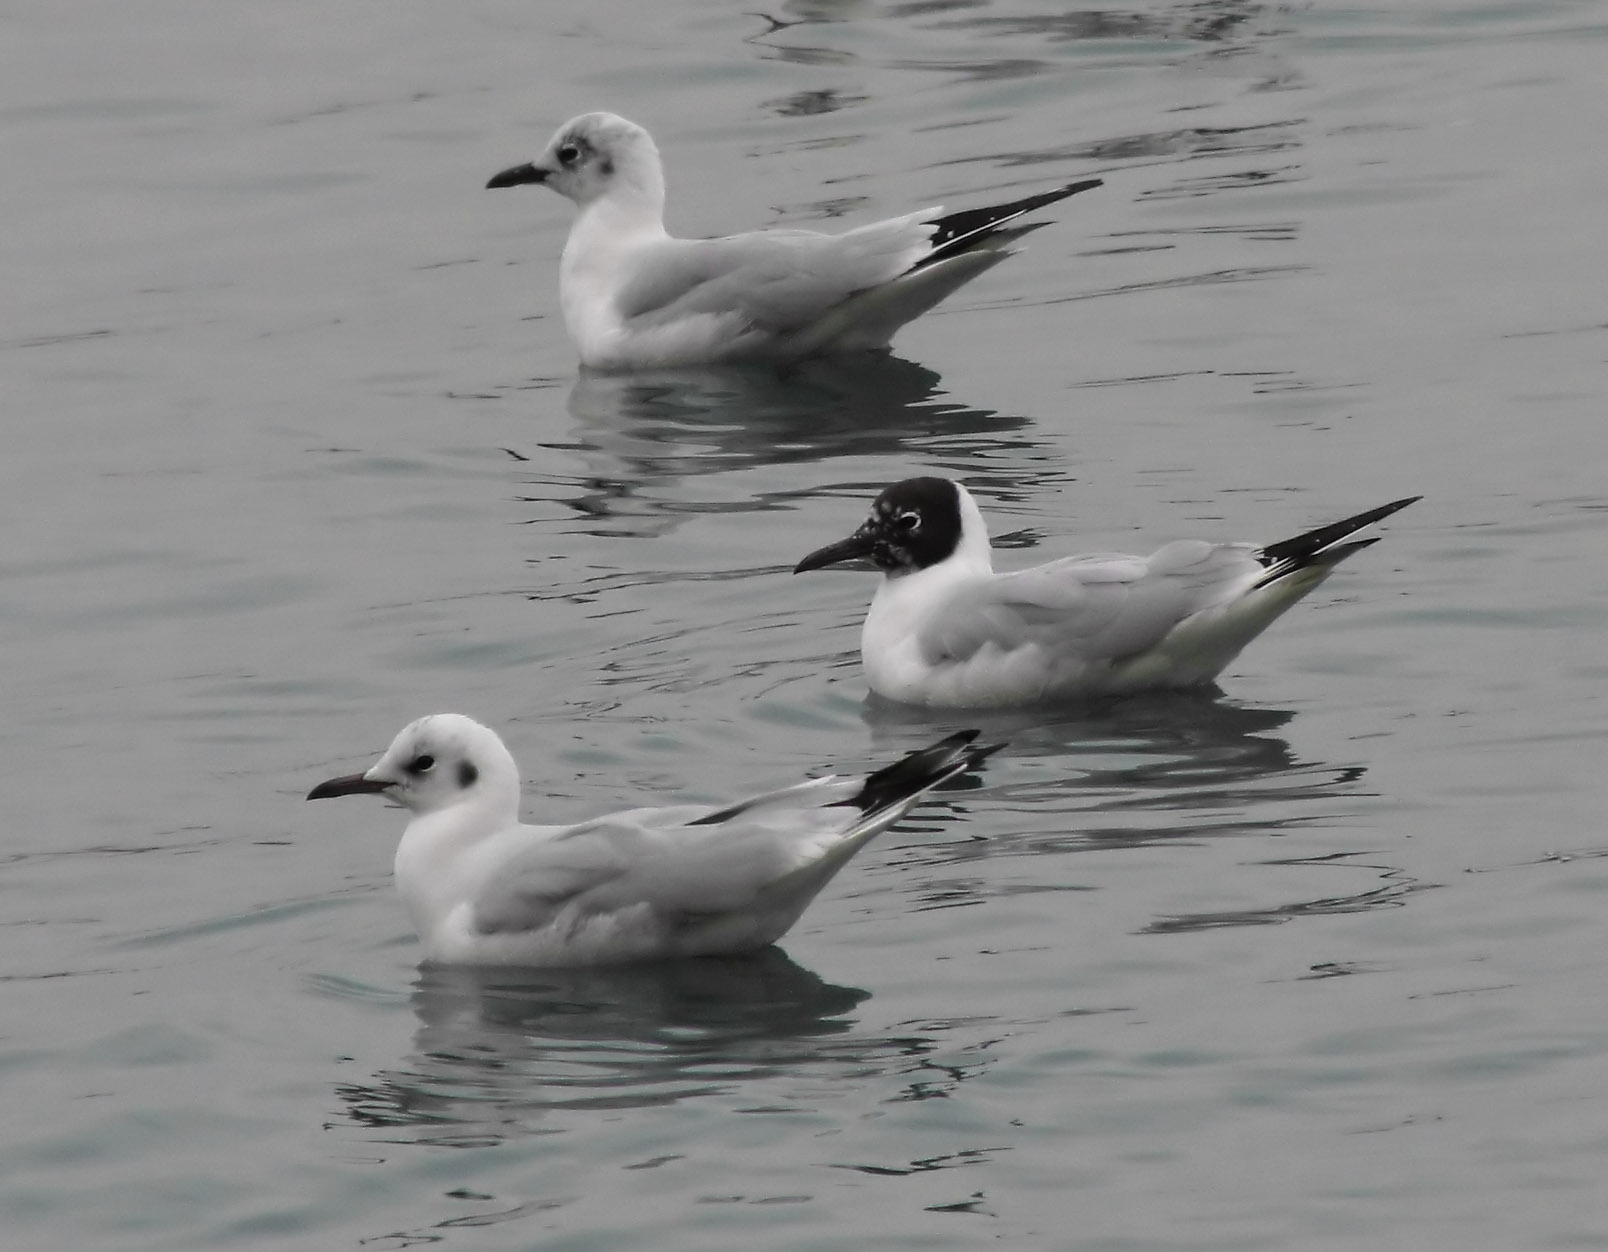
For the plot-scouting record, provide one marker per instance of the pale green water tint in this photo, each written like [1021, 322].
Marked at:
[296, 452]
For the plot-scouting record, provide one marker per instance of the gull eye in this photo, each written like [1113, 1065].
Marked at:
[421, 764]
[568, 154]
[909, 522]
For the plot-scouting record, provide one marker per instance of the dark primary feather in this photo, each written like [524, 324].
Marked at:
[742, 806]
[1289, 555]
[920, 770]
[892, 783]
[963, 231]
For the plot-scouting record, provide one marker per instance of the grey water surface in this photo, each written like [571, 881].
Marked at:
[296, 451]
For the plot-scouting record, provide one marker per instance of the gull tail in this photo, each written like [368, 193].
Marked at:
[1322, 547]
[971, 229]
[1200, 647]
[899, 785]
[884, 797]
[963, 245]
[868, 319]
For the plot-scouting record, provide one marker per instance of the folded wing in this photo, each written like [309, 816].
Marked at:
[1087, 611]
[775, 280]
[673, 861]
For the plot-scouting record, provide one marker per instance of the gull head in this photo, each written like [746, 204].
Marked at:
[914, 525]
[594, 156]
[436, 763]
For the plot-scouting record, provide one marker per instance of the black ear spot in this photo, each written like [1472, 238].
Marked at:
[467, 773]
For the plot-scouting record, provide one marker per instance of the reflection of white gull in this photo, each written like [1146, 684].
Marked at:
[634, 297]
[691, 880]
[945, 630]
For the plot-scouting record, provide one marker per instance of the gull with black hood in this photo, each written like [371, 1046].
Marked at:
[945, 630]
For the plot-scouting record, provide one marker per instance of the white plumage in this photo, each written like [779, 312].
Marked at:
[634, 297]
[482, 888]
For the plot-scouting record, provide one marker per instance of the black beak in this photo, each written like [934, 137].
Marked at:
[347, 785]
[857, 547]
[516, 174]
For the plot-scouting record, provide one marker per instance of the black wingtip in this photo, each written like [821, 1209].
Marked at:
[921, 770]
[1083, 184]
[1289, 555]
[955, 233]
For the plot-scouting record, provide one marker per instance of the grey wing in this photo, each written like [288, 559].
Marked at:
[539, 883]
[1090, 609]
[669, 859]
[774, 279]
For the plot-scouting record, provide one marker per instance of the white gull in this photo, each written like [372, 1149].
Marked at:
[635, 297]
[688, 880]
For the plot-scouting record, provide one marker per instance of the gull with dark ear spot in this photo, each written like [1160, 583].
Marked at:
[646, 884]
[634, 297]
[945, 630]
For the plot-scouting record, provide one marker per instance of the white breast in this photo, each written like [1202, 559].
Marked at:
[897, 667]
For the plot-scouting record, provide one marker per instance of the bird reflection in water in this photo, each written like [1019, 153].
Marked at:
[1175, 751]
[1158, 769]
[642, 435]
[500, 1051]
[1390, 888]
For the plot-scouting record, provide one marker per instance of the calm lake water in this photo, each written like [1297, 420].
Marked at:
[296, 451]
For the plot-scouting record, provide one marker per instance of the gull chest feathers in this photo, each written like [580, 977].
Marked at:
[900, 662]
[443, 861]
[609, 240]
[945, 630]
